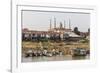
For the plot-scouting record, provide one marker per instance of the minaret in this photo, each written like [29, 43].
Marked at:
[64, 24]
[69, 24]
[61, 26]
[50, 24]
[54, 22]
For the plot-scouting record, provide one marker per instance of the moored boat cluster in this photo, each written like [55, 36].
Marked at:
[36, 53]
[55, 52]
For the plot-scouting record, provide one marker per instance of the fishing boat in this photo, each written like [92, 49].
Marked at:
[79, 52]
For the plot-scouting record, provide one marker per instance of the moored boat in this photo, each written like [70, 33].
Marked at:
[79, 52]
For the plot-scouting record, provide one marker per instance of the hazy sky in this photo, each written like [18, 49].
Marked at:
[39, 20]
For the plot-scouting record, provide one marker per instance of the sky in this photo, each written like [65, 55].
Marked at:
[40, 20]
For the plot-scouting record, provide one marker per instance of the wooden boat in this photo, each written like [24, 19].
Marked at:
[79, 52]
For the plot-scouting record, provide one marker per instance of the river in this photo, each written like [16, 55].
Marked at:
[54, 58]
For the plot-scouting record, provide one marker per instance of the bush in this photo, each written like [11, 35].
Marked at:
[84, 41]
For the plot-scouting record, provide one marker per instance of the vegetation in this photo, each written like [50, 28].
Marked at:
[76, 31]
[84, 41]
[63, 46]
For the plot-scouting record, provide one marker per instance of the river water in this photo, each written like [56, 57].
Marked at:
[54, 58]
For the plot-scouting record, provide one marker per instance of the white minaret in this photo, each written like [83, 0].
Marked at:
[64, 24]
[50, 24]
[54, 22]
[69, 24]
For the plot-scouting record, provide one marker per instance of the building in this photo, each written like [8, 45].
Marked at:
[53, 33]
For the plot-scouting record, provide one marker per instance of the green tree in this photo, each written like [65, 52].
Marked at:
[76, 31]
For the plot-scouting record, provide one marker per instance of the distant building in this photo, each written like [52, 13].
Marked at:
[53, 33]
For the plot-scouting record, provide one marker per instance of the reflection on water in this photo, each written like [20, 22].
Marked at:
[54, 58]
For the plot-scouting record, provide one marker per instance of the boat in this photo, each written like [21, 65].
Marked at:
[79, 52]
[29, 53]
[49, 54]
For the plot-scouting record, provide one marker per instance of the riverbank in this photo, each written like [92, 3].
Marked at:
[65, 47]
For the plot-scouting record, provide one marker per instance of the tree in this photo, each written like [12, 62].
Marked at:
[76, 31]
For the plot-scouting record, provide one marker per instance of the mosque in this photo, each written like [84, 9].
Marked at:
[53, 33]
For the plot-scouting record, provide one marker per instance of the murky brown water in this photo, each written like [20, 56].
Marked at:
[54, 58]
